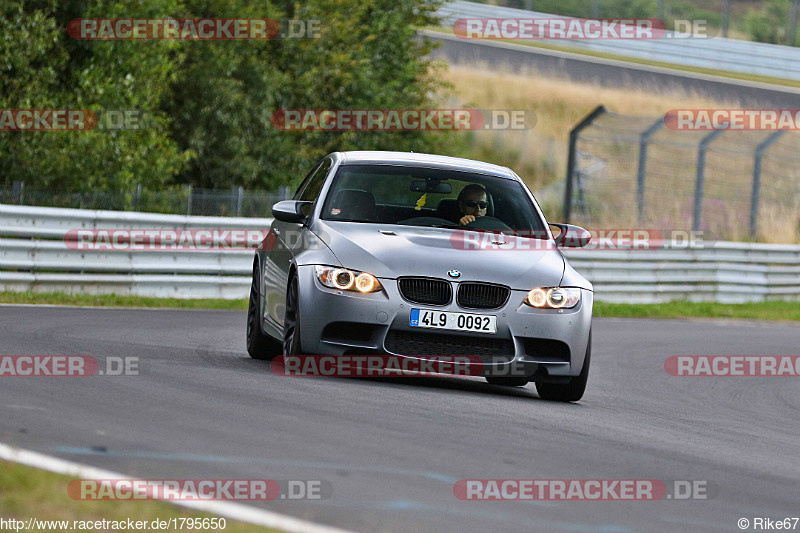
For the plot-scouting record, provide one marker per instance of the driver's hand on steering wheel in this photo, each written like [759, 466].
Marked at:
[466, 219]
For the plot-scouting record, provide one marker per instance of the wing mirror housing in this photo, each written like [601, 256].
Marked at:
[570, 236]
[292, 211]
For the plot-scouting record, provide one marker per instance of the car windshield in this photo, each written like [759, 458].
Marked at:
[419, 196]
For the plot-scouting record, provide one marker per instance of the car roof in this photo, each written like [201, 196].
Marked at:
[424, 160]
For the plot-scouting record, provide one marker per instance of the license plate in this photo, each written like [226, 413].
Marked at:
[426, 318]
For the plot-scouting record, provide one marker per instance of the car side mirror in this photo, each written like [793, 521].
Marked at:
[570, 236]
[291, 211]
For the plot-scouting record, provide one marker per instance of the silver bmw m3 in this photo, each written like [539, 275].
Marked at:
[419, 256]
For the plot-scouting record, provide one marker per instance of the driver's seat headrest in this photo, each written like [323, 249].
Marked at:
[355, 204]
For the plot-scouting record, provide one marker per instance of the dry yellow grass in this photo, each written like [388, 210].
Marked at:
[559, 104]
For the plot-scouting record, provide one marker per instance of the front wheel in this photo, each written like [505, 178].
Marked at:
[573, 390]
[259, 346]
[291, 320]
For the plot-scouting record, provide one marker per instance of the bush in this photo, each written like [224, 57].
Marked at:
[770, 25]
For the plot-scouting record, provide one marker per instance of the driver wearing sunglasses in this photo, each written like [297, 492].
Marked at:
[473, 203]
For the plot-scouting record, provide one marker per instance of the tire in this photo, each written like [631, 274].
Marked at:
[259, 346]
[291, 319]
[508, 381]
[573, 390]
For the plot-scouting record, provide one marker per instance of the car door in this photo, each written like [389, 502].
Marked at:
[287, 235]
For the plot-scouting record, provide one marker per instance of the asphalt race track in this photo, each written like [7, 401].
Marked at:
[392, 449]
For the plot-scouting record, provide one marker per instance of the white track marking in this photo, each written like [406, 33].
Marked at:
[234, 511]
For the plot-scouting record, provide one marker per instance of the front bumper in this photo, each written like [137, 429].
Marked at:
[546, 343]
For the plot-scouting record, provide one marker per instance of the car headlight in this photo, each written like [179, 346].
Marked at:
[347, 280]
[554, 297]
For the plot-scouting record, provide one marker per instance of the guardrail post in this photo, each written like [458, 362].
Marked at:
[754, 200]
[571, 158]
[17, 189]
[642, 170]
[701, 170]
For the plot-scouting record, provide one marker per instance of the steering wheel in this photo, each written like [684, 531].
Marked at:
[487, 222]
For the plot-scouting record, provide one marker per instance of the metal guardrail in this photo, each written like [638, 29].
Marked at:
[713, 53]
[727, 272]
[34, 256]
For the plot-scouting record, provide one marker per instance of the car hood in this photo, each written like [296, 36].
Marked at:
[433, 252]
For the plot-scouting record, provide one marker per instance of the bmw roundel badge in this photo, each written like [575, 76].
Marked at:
[454, 274]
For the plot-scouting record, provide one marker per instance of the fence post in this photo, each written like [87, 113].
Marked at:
[769, 141]
[233, 199]
[17, 189]
[571, 157]
[642, 170]
[137, 197]
[726, 15]
[239, 197]
[793, 23]
[701, 170]
[188, 189]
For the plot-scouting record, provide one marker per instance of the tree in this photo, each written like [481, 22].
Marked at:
[366, 57]
[44, 68]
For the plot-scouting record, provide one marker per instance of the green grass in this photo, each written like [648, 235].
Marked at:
[27, 492]
[780, 311]
[114, 300]
[777, 310]
[638, 61]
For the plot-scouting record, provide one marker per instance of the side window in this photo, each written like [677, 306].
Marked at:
[311, 186]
